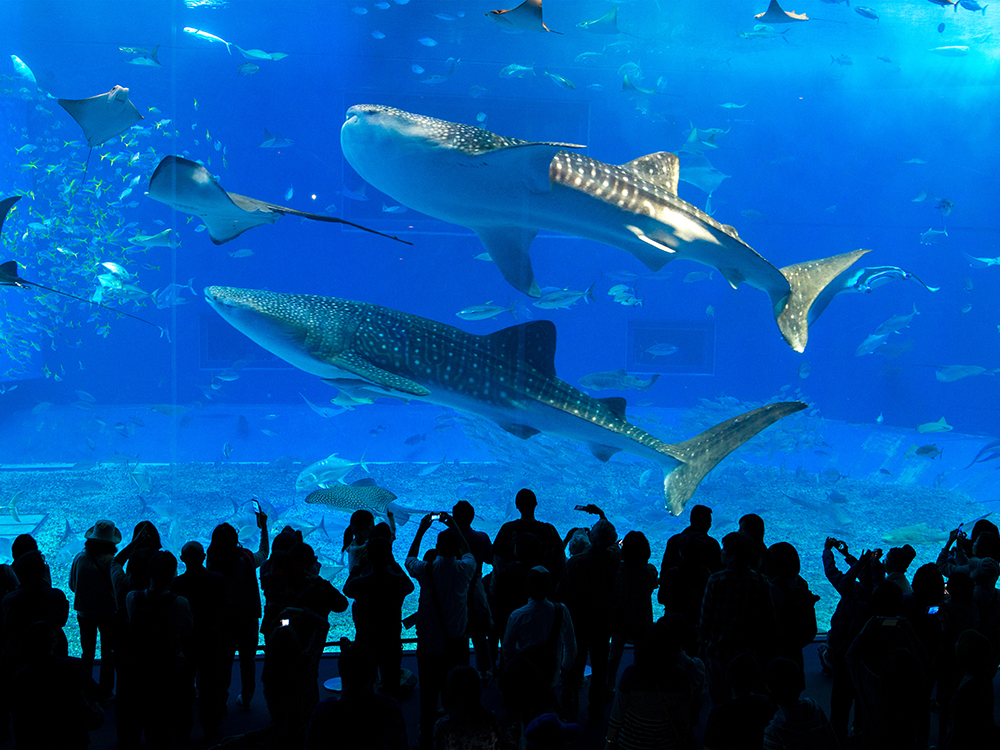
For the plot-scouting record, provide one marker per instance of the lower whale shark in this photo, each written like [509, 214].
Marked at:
[507, 377]
[506, 190]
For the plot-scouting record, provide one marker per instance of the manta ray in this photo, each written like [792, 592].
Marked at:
[507, 377]
[863, 280]
[606, 24]
[10, 277]
[103, 117]
[525, 17]
[187, 186]
[506, 190]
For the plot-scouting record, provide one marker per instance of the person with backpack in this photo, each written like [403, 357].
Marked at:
[159, 624]
[241, 610]
[539, 645]
[794, 604]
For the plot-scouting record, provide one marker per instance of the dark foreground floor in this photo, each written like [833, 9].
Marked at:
[237, 722]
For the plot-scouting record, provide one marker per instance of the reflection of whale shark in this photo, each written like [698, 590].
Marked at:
[506, 190]
[508, 377]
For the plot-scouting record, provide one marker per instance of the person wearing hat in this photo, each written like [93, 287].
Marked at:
[94, 601]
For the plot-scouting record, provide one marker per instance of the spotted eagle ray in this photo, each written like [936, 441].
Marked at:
[10, 277]
[862, 280]
[506, 190]
[187, 186]
[507, 377]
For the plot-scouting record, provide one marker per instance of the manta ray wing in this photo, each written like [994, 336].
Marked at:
[775, 14]
[525, 17]
[606, 24]
[104, 116]
[5, 206]
[187, 186]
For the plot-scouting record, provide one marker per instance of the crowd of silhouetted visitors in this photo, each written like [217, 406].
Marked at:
[548, 624]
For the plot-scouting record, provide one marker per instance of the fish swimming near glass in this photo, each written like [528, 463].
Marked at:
[507, 377]
[363, 494]
[506, 190]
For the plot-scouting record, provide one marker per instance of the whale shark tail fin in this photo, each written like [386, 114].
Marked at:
[807, 281]
[700, 454]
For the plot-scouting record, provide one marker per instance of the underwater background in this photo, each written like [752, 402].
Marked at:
[843, 132]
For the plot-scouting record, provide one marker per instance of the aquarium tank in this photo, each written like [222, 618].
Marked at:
[335, 254]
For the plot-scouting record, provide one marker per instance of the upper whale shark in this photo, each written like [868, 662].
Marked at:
[506, 190]
[508, 377]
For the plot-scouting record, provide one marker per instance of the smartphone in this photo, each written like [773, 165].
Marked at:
[436, 517]
[580, 507]
[256, 505]
[932, 610]
[889, 621]
[284, 623]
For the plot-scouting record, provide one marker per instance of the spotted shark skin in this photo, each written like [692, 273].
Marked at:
[507, 377]
[506, 190]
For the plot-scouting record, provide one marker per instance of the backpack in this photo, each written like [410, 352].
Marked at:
[796, 619]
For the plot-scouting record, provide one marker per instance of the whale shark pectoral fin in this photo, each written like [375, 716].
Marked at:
[699, 455]
[363, 368]
[807, 282]
[522, 431]
[661, 169]
[510, 249]
[616, 404]
[529, 162]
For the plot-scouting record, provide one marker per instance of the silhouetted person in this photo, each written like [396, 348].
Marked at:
[987, 600]
[652, 705]
[94, 600]
[736, 615]
[468, 724]
[739, 722]
[753, 525]
[971, 722]
[285, 678]
[160, 624]
[923, 610]
[799, 722]
[360, 719]
[538, 646]
[378, 596]
[205, 592]
[887, 663]
[47, 677]
[587, 588]
[698, 527]
[356, 537]
[897, 560]
[510, 581]
[241, 610]
[32, 601]
[22, 544]
[682, 588]
[442, 614]
[480, 616]
[553, 557]
[794, 604]
[632, 605]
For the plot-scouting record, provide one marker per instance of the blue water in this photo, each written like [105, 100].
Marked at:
[818, 164]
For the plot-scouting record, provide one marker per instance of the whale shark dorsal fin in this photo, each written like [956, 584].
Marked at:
[616, 404]
[360, 366]
[602, 452]
[807, 282]
[661, 169]
[533, 342]
[510, 249]
[700, 454]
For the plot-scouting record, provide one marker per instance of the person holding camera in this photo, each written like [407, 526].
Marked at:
[442, 613]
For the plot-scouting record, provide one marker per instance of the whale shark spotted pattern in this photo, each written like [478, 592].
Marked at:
[507, 189]
[508, 377]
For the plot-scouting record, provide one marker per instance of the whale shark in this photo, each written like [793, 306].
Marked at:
[507, 189]
[508, 377]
